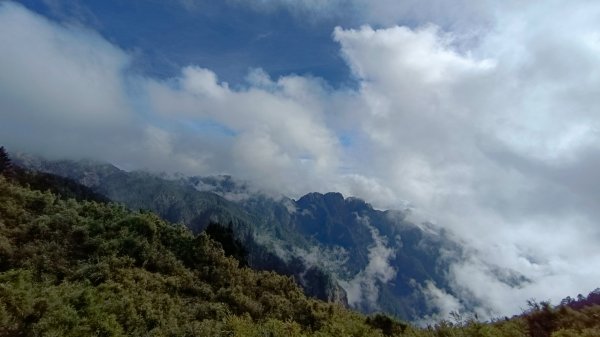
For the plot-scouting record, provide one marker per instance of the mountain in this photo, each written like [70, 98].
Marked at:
[339, 249]
[383, 261]
[74, 266]
[84, 268]
[175, 200]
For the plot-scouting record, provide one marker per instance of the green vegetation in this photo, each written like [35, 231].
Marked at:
[89, 268]
[76, 268]
[179, 201]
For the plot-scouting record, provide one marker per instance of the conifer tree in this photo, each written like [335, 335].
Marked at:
[5, 164]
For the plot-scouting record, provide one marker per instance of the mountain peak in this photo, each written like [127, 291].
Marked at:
[327, 197]
[334, 195]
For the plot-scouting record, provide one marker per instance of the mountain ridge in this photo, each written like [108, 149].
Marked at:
[339, 249]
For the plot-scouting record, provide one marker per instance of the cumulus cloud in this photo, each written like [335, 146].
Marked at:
[68, 92]
[487, 126]
[477, 139]
[44, 66]
[277, 127]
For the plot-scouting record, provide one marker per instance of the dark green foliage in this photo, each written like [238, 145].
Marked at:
[386, 324]
[5, 163]
[541, 319]
[63, 187]
[231, 246]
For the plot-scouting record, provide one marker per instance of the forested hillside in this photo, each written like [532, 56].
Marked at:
[177, 201]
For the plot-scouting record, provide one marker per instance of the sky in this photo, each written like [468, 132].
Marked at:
[481, 117]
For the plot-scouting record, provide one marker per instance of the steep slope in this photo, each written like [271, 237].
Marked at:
[338, 249]
[71, 268]
[177, 201]
[384, 262]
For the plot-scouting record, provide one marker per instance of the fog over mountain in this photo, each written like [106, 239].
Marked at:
[482, 119]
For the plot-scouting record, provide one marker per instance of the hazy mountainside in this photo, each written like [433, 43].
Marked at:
[178, 202]
[383, 262]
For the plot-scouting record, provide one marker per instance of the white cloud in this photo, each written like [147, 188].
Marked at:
[71, 62]
[279, 125]
[476, 139]
[68, 92]
[61, 88]
[441, 302]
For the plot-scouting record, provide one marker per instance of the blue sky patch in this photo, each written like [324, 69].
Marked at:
[164, 36]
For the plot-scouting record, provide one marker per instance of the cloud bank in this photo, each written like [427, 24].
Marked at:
[489, 130]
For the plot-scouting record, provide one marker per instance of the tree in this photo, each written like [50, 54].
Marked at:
[5, 163]
[231, 246]
[541, 318]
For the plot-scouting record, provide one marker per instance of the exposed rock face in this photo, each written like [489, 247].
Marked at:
[324, 286]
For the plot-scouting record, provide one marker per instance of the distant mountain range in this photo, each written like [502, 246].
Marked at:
[338, 249]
